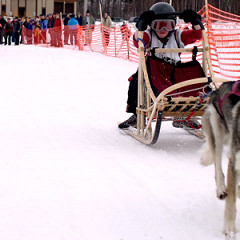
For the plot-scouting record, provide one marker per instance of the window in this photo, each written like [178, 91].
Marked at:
[44, 11]
[3, 10]
[69, 8]
[21, 11]
[58, 7]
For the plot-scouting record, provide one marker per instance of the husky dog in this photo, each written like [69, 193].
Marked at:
[221, 125]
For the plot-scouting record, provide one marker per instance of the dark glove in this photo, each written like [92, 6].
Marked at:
[145, 19]
[191, 16]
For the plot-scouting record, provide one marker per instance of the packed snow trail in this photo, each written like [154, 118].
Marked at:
[67, 172]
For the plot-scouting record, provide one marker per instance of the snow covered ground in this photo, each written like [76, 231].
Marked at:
[68, 173]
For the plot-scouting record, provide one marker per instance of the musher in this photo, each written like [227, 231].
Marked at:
[162, 34]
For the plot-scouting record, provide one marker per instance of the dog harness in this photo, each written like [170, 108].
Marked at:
[233, 92]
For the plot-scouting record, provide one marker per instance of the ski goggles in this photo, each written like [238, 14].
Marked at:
[163, 24]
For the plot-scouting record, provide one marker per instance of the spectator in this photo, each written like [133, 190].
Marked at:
[16, 30]
[24, 30]
[8, 28]
[107, 24]
[44, 26]
[50, 19]
[66, 29]
[21, 21]
[125, 32]
[2, 24]
[50, 28]
[25, 23]
[89, 25]
[79, 19]
[54, 18]
[37, 32]
[58, 30]
[31, 24]
[72, 25]
[80, 34]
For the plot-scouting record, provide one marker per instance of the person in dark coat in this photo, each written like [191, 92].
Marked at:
[8, 28]
[79, 19]
[66, 29]
[51, 21]
[25, 24]
[2, 24]
[16, 30]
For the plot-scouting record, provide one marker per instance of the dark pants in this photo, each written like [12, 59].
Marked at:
[66, 35]
[13, 38]
[132, 93]
[16, 35]
[8, 38]
[1, 36]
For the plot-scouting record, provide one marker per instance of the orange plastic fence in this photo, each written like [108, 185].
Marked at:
[223, 32]
[116, 42]
[224, 41]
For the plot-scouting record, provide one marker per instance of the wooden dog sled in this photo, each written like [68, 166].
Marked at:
[152, 109]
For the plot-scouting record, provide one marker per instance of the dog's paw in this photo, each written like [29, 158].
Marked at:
[229, 228]
[221, 193]
[230, 233]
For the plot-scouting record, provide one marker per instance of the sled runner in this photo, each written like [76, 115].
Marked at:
[187, 96]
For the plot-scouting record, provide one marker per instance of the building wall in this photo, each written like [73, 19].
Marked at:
[14, 7]
[49, 6]
[31, 8]
[21, 3]
[30, 5]
[8, 5]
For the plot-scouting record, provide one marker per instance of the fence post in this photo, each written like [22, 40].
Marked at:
[127, 39]
[127, 36]
[115, 42]
[205, 67]
[206, 6]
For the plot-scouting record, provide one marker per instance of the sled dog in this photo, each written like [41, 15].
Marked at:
[221, 125]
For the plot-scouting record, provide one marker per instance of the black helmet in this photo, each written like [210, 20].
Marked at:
[162, 8]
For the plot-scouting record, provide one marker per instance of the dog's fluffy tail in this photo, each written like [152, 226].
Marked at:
[235, 141]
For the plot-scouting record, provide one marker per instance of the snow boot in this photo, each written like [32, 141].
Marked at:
[132, 121]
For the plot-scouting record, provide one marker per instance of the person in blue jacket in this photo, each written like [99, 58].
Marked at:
[72, 25]
[30, 31]
[44, 26]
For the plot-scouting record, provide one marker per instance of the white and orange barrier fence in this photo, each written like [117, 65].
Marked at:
[223, 31]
